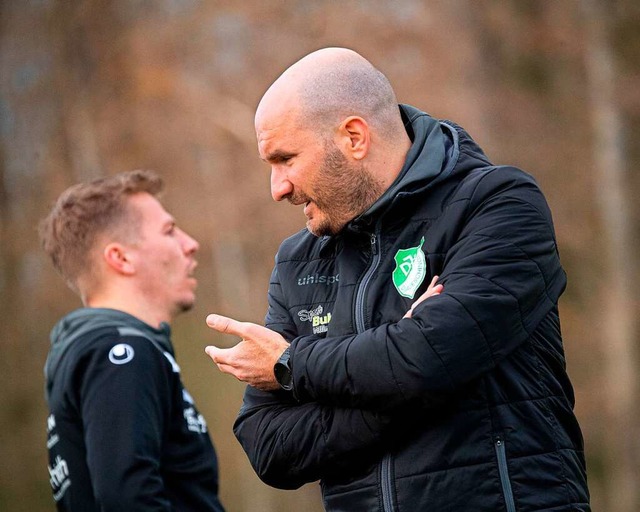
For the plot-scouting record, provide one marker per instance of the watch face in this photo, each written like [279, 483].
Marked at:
[282, 371]
[283, 375]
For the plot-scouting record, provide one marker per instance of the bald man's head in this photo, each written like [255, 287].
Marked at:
[329, 85]
[331, 130]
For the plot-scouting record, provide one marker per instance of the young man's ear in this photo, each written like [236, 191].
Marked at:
[117, 258]
[355, 137]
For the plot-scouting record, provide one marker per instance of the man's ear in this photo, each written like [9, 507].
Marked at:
[355, 137]
[117, 258]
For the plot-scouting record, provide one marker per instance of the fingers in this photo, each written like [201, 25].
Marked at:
[432, 290]
[252, 359]
[230, 364]
[436, 290]
[221, 357]
[225, 325]
[213, 352]
[245, 330]
[216, 354]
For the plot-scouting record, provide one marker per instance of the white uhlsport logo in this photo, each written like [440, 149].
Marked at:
[121, 353]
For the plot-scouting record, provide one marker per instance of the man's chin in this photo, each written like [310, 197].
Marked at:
[319, 229]
[323, 227]
[186, 305]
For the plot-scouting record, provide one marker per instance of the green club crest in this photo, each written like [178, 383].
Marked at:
[410, 271]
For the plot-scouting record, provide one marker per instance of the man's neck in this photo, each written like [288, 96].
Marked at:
[138, 309]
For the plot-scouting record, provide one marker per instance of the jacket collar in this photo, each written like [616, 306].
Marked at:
[425, 162]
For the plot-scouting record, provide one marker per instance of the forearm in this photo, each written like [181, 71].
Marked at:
[290, 444]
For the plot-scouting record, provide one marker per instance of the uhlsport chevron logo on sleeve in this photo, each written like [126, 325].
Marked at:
[410, 271]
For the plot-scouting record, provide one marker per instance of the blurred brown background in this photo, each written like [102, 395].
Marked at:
[93, 87]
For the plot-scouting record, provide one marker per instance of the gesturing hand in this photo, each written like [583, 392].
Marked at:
[253, 358]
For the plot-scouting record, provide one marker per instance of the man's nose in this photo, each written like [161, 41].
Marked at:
[281, 187]
[190, 244]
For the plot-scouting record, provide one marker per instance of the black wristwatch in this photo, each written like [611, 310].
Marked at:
[282, 371]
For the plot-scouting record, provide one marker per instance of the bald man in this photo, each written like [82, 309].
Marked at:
[456, 401]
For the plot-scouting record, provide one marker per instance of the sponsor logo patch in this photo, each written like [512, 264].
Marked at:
[319, 321]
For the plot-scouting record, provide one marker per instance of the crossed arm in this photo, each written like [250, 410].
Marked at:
[291, 443]
[253, 358]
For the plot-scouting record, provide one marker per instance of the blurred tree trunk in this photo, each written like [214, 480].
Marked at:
[22, 69]
[618, 316]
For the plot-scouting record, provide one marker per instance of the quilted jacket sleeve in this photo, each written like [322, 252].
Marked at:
[289, 443]
[501, 276]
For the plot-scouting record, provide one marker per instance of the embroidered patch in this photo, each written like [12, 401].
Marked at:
[410, 271]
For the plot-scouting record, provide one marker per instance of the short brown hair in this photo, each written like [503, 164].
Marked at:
[85, 211]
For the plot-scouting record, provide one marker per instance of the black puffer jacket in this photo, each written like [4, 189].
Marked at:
[464, 407]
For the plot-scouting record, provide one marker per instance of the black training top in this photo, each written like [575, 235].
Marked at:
[123, 433]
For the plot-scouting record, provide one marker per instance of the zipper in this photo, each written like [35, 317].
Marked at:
[360, 294]
[386, 484]
[503, 469]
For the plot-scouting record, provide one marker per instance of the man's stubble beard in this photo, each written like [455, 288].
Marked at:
[343, 191]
